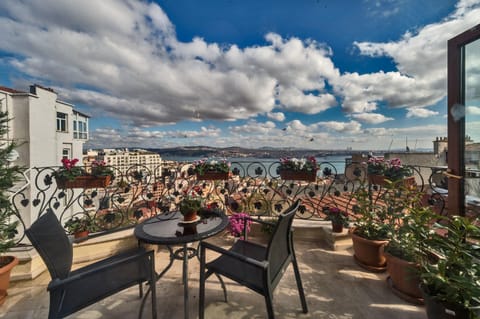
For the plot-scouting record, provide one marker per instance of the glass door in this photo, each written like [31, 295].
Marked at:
[464, 123]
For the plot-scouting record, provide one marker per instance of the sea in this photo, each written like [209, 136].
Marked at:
[338, 161]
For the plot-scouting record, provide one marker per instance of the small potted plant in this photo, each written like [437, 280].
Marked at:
[190, 204]
[338, 217]
[379, 170]
[102, 173]
[451, 280]
[239, 224]
[79, 227]
[68, 173]
[211, 169]
[411, 222]
[371, 231]
[298, 169]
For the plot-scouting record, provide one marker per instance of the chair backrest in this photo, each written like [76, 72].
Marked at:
[50, 240]
[279, 249]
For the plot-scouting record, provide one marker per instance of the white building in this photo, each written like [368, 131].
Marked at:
[46, 129]
[125, 159]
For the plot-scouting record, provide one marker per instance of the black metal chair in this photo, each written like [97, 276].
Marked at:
[255, 266]
[70, 290]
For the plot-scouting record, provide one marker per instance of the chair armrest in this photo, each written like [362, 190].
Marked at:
[98, 267]
[260, 264]
[259, 221]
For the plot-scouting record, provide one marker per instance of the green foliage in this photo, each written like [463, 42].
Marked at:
[410, 222]
[206, 165]
[9, 174]
[372, 219]
[308, 164]
[69, 170]
[78, 224]
[453, 274]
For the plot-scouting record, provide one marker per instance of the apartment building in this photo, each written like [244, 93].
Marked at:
[124, 159]
[45, 130]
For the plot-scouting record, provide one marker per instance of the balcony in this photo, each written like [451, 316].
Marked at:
[334, 284]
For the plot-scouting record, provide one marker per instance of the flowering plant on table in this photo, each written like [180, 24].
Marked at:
[191, 201]
[238, 222]
[100, 168]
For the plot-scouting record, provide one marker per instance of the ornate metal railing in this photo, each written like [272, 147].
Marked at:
[137, 192]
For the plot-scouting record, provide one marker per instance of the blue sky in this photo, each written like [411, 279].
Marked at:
[323, 74]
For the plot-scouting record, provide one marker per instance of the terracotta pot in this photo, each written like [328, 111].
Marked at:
[337, 227]
[298, 176]
[206, 176]
[81, 234]
[369, 253]
[380, 180]
[87, 181]
[190, 216]
[5, 276]
[404, 279]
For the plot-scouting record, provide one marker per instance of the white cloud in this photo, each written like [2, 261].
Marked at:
[341, 127]
[371, 118]
[420, 112]
[473, 110]
[277, 116]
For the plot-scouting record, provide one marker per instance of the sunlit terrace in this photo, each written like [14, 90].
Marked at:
[335, 285]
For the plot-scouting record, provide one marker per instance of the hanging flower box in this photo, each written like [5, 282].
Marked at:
[206, 176]
[309, 176]
[87, 181]
[380, 180]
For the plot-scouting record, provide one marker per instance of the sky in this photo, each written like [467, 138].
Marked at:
[316, 74]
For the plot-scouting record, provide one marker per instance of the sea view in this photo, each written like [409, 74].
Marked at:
[338, 161]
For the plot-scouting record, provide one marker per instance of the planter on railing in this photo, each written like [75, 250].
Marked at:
[206, 176]
[309, 176]
[87, 181]
[380, 180]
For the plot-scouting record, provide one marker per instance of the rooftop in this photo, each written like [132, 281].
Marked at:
[335, 287]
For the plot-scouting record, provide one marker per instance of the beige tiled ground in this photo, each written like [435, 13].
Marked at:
[336, 288]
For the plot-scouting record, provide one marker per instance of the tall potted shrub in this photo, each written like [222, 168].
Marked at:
[451, 279]
[411, 224]
[371, 231]
[9, 174]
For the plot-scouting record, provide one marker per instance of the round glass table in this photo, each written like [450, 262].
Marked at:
[169, 229]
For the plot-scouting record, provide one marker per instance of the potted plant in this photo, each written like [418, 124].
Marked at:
[411, 222]
[9, 174]
[298, 169]
[371, 231]
[79, 227]
[211, 169]
[102, 172]
[190, 204]
[451, 280]
[67, 174]
[339, 218]
[379, 170]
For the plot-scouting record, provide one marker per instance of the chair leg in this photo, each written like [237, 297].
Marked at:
[153, 288]
[201, 295]
[222, 283]
[269, 304]
[299, 284]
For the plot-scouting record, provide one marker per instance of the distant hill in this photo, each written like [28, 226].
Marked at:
[207, 151]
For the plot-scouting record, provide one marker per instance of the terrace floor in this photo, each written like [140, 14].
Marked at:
[335, 286]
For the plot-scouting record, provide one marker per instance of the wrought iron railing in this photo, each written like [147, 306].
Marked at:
[137, 192]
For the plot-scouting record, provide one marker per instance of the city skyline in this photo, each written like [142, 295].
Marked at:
[315, 74]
